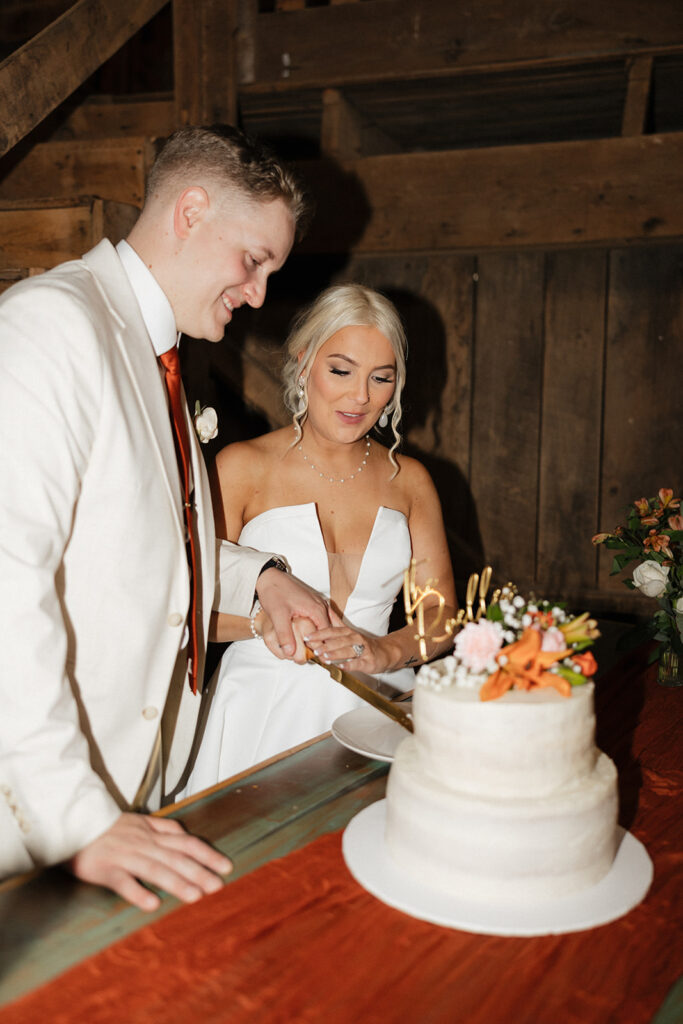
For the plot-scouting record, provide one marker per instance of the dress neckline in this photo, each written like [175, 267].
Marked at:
[283, 511]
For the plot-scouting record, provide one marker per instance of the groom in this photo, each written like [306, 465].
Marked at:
[96, 714]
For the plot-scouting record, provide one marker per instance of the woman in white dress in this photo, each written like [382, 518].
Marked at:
[346, 513]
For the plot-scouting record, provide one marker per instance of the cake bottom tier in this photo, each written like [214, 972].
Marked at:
[512, 850]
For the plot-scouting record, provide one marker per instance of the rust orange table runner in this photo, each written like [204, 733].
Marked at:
[298, 940]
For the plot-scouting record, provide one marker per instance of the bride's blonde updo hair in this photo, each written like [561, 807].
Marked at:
[342, 305]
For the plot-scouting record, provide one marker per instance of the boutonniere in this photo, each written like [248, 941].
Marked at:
[205, 422]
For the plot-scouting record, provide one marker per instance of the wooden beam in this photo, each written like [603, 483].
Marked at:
[346, 43]
[600, 192]
[43, 233]
[105, 117]
[204, 61]
[637, 96]
[108, 168]
[344, 134]
[47, 69]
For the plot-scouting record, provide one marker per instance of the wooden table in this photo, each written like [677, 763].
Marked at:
[50, 922]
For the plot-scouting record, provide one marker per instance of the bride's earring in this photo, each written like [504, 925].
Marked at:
[384, 419]
[301, 392]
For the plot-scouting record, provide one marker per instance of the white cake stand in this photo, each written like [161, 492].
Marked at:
[366, 856]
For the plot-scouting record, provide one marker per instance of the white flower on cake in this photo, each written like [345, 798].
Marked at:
[205, 422]
[520, 644]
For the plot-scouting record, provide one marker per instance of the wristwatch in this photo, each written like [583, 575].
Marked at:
[272, 563]
[275, 563]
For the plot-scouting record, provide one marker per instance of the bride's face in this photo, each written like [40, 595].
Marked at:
[351, 380]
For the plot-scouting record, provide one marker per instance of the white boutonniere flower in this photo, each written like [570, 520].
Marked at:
[205, 422]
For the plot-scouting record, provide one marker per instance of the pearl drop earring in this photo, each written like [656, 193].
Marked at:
[384, 419]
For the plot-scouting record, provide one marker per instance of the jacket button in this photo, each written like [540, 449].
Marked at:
[174, 619]
[150, 712]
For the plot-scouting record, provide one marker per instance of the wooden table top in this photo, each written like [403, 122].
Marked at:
[49, 921]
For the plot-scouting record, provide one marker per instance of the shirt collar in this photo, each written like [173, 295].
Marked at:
[155, 308]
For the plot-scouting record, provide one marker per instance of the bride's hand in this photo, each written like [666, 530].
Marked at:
[342, 645]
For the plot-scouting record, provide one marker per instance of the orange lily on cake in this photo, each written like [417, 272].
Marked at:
[524, 665]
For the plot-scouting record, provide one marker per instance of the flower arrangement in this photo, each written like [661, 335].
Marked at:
[653, 535]
[522, 643]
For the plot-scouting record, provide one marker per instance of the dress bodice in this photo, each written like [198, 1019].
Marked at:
[294, 532]
[263, 704]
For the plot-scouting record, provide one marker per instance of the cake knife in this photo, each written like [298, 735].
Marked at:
[365, 692]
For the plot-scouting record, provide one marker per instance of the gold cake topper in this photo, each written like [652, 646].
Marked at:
[415, 596]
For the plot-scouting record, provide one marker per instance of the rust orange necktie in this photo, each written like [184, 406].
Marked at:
[171, 363]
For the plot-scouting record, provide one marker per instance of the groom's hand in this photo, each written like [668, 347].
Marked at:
[158, 851]
[283, 598]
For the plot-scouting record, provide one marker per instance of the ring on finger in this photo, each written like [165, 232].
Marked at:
[358, 649]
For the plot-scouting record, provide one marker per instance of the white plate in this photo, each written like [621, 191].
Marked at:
[367, 731]
[366, 857]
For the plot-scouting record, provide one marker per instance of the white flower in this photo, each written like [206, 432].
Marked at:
[679, 606]
[651, 578]
[205, 423]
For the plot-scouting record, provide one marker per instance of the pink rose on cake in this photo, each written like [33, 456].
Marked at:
[477, 644]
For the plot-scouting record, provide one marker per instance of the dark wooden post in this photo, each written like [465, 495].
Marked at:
[204, 61]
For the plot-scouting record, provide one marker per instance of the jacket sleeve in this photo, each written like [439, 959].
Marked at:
[237, 570]
[49, 398]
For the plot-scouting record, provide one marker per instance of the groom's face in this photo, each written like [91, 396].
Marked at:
[226, 259]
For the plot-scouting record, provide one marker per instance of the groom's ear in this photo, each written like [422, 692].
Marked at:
[190, 207]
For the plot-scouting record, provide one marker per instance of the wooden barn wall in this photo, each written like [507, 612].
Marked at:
[543, 394]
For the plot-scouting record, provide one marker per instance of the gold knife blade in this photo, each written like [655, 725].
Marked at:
[365, 692]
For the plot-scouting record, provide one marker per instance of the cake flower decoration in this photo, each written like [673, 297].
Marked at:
[518, 643]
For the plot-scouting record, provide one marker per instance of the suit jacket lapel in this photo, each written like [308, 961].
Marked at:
[140, 360]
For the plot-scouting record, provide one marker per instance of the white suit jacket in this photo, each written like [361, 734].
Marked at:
[94, 580]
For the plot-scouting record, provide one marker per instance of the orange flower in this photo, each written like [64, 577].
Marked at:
[523, 665]
[587, 663]
[642, 506]
[676, 522]
[658, 542]
[667, 500]
[651, 520]
[600, 538]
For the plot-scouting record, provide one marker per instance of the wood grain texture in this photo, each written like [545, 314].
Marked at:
[47, 69]
[444, 37]
[506, 416]
[571, 424]
[204, 61]
[643, 385]
[107, 168]
[607, 191]
[43, 234]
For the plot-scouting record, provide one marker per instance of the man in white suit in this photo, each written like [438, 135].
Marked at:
[96, 716]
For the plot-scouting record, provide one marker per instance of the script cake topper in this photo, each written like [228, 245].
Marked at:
[415, 596]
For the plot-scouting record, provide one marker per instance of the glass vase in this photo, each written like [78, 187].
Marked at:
[670, 669]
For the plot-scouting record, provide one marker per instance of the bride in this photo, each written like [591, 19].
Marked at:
[346, 513]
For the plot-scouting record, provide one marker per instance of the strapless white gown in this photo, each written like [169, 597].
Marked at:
[263, 705]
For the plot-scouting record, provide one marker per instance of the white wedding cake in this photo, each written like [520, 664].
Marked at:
[504, 799]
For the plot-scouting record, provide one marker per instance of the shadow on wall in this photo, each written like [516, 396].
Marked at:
[422, 407]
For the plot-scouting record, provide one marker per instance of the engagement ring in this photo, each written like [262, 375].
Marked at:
[358, 649]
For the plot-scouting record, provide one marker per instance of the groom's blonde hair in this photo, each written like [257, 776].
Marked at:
[233, 161]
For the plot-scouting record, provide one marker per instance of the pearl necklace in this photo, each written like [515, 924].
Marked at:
[342, 479]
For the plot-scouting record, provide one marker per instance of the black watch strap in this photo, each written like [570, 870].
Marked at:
[274, 563]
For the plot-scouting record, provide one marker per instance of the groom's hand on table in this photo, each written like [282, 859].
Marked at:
[158, 851]
[285, 598]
